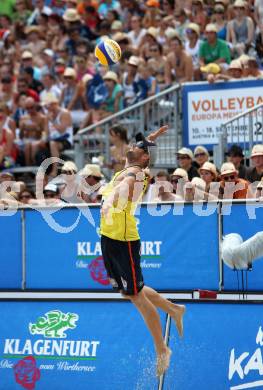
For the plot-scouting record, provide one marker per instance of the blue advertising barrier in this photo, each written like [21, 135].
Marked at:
[11, 251]
[105, 345]
[63, 345]
[176, 254]
[206, 106]
[245, 220]
[181, 257]
[68, 256]
[221, 349]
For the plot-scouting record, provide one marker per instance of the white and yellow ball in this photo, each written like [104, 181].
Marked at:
[108, 52]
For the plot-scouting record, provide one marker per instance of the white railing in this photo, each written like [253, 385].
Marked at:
[245, 129]
[145, 116]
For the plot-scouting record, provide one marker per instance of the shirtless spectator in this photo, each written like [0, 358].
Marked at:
[255, 173]
[32, 125]
[179, 65]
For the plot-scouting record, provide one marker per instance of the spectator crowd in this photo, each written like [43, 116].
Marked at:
[51, 85]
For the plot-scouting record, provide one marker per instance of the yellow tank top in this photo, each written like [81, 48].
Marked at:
[121, 225]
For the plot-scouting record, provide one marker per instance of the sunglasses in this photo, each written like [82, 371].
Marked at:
[94, 177]
[183, 158]
[175, 181]
[68, 172]
[240, 8]
[229, 178]
[200, 155]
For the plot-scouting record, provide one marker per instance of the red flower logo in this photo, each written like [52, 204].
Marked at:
[98, 271]
[26, 372]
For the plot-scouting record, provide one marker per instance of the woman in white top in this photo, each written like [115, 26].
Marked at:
[192, 46]
[137, 32]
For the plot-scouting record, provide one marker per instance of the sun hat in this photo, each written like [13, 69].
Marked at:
[110, 75]
[188, 152]
[180, 172]
[208, 166]
[71, 15]
[257, 150]
[227, 168]
[91, 170]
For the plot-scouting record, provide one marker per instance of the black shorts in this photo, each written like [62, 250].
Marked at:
[122, 262]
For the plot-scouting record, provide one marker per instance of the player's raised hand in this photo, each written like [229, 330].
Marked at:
[154, 135]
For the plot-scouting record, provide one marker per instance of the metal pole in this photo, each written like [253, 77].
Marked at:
[220, 238]
[250, 132]
[23, 226]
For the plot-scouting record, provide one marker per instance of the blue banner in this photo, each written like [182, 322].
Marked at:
[221, 349]
[69, 255]
[206, 106]
[245, 220]
[63, 345]
[11, 251]
[176, 253]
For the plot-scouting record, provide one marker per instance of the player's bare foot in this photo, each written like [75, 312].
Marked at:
[163, 361]
[177, 316]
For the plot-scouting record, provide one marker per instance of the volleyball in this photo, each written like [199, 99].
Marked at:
[108, 52]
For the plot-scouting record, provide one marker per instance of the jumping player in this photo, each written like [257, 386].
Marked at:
[120, 244]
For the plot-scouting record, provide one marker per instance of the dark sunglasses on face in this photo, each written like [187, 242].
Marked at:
[183, 158]
[68, 172]
[200, 155]
[228, 178]
[174, 181]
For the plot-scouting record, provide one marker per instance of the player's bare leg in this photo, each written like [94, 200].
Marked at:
[152, 320]
[174, 310]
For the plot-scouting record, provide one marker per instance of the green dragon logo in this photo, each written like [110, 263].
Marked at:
[53, 324]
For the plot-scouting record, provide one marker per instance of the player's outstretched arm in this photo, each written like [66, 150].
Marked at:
[155, 134]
